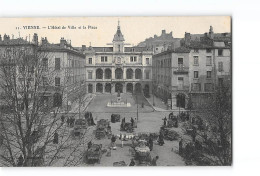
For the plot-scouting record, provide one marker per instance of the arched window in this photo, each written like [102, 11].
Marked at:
[119, 73]
[99, 73]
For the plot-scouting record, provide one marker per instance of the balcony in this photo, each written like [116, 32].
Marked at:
[181, 70]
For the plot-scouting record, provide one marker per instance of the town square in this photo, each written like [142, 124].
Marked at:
[163, 101]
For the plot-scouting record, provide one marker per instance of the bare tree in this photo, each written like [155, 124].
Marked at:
[28, 124]
[218, 115]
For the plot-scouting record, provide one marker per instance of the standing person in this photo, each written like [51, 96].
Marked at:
[165, 121]
[135, 123]
[132, 122]
[160, 140]
[154, 160]
[20, 161]
[132, 163]
[180, 146]
[194, 133]
[113, 140]
[150, 143]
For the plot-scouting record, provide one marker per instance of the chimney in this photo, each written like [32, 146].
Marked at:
[187, 39]
[44, 41]
[211, 33]
[163, 32]
[0, 38]
[35, 38]
[62, 42]
[5, 37]
[155, 36]
[84, 47]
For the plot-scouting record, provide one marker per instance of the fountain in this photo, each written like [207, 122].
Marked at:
[118, 102]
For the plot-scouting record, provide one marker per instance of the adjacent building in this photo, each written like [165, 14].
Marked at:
[62, 68]
[118, 68]
[193, 70]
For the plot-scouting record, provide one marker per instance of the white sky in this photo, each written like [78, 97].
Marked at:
[134, 29]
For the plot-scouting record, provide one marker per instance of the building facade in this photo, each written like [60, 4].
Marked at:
[193, 71]
[171, 76]
[65, 75]
[60, 71]
[118, 68]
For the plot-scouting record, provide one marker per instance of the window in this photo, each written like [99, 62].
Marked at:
[196, 50]
[147, 75]
[208, 61]
[180, 61]
[89, 75]
[57, 63]
[119, 48]
[220, 66]
[89, 60]
[133, 58]
[196, 87]
[220, 82]
[208, 50]
[220, 52]
[196, 60]
[57, 81]
[72, 63]
[208, 87]
[196, 74]
[103, 58]
[147, 61]
[208, 74]
[45, 64]
[44, 81]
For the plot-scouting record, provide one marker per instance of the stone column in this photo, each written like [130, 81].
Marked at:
[113, 88]
[124, 87]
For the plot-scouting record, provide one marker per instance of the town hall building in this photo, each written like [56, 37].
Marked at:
[118, 68]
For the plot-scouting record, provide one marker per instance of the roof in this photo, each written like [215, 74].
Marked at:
[137, 49]
[182, 49]
[103, 49]
[118, 36]
[58, 47]
[18, 41]
[199, 45]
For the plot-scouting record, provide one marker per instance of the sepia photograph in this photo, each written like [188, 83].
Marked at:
[116, 91]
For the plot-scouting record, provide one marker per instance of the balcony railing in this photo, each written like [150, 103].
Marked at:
[181, 70]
